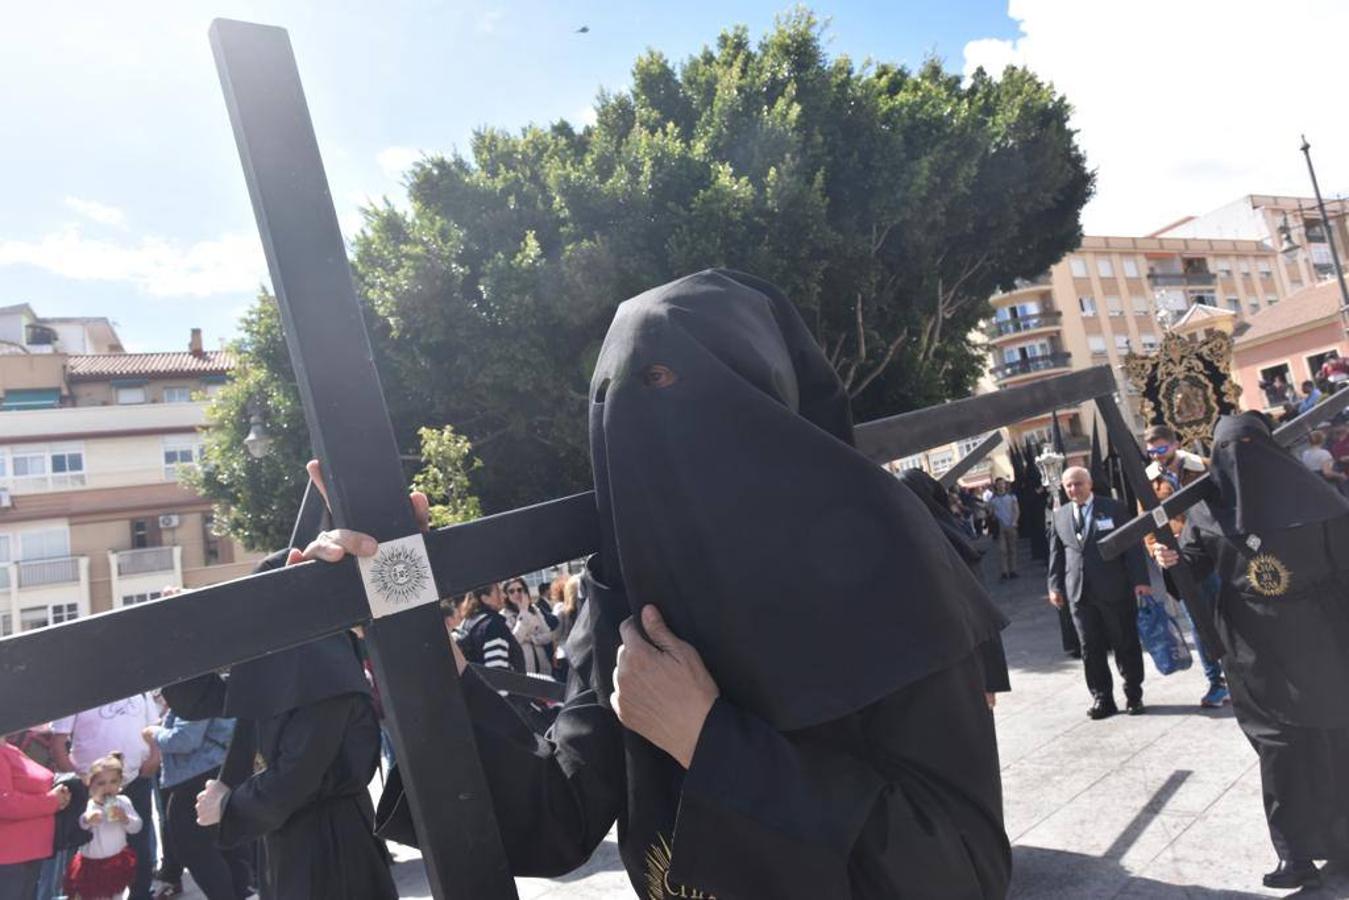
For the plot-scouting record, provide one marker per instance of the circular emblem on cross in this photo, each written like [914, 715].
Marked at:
[398, 574]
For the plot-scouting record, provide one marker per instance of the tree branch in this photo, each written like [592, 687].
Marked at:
[881, 366]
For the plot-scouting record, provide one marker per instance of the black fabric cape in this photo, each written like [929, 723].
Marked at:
[730, 495]
[934, 497]
[306, 714]
[1279, 542]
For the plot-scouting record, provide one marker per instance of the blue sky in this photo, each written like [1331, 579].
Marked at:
[123, 194]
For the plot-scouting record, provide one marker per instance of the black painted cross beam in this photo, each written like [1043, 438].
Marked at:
[353, 438]
[167, 640]
[1287, 434]
[970, 460]
[1130, 455]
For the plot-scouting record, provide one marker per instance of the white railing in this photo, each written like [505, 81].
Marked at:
[38, 572]
[147, 559]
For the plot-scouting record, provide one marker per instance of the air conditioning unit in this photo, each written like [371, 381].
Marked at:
[5, 501]
[168, 520]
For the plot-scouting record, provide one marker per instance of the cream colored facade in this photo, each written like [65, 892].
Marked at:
[1113, 295]
[92, 516]
[1267, 218]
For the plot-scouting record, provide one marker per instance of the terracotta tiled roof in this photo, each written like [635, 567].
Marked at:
[1311, 304]
[98, 366]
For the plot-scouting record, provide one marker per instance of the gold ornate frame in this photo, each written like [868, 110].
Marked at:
[1191, 381]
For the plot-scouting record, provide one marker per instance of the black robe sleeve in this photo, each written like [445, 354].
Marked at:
[1193, 550]
[997, 680]
[765, 814]
[555, 797]
[310, 740]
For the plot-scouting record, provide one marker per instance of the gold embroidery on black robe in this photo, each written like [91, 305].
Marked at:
[658, 886]
[1268, 575]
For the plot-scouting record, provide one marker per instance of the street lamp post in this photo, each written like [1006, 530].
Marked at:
[258, 441]
[1330, 236]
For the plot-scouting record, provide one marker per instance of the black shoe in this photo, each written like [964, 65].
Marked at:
[1103, 708]
[1013, 575]
[1294, 873]
[1135, 707]
[1075, 654]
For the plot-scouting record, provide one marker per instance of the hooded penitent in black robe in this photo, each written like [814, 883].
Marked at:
[306, 716]
[934, 497]
[1278, 537]
[731, 497]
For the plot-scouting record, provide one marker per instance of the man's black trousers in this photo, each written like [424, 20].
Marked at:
[1102, 628]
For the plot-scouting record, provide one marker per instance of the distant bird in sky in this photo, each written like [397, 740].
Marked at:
[584, 29]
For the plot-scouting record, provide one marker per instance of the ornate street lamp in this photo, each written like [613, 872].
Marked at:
[1050, 462]
[1287, 246]
[258, 441]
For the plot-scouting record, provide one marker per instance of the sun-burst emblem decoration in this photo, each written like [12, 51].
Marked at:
[399, 574]
[1268, 575]
[658, 886]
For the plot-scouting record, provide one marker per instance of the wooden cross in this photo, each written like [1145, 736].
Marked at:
[63, 669]
[1286, 434]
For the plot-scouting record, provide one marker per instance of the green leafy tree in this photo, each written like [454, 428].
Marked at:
[888, 203]
[444, 479]
[256, 500]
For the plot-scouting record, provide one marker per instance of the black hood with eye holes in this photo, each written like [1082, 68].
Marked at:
[812, 582]
[1260, 486]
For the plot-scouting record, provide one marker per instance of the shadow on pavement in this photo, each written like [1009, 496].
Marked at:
[1185, 709]
[1041, 873]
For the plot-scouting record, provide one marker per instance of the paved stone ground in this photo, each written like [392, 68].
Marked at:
[1165, 805]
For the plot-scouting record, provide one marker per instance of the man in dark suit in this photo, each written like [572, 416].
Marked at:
[1100, 593]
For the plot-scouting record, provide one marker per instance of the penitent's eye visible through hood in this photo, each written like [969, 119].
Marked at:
[658, 376]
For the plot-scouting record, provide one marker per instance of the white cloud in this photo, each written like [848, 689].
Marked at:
[395, 161]
[1185, 106]
[97, 212]
[158, 266]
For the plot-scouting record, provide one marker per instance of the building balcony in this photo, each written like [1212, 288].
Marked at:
[48, 572]
[1005, 328]
[36, 593]
[84, 422]
[1182, 279]
[1022, 287]
[143, 561]
[1031, 365]
[142, 574]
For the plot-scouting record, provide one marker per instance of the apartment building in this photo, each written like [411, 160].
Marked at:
[92, 441]
[1114, 295]
[1291, 225]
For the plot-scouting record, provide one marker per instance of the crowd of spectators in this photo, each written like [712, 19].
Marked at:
[161, 762]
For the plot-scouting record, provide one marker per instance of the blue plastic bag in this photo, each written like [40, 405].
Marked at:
[1161, 636]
